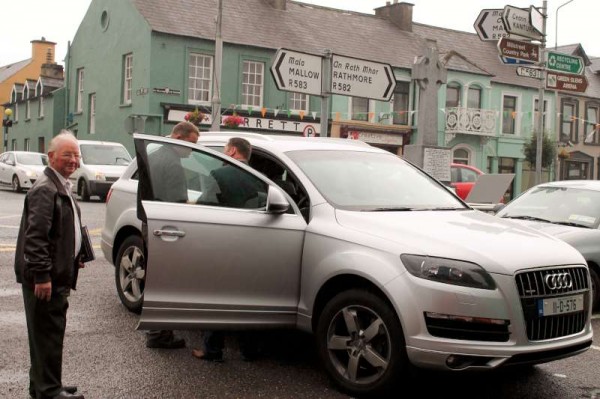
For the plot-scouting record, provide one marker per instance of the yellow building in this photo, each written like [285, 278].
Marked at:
[42, 52]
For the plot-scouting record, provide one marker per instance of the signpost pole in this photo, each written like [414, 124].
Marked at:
[216, 99]
[325, 88]
[540, 132]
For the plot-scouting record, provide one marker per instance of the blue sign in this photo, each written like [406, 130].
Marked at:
[514, 61]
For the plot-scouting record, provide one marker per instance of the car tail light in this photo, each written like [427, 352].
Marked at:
[108, 195]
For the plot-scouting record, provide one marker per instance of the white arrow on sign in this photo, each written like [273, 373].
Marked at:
[489, 25]
[361, 78]
[517, 21]
[297, 72]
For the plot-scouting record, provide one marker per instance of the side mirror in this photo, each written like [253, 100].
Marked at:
[276, 202]
[11, 163]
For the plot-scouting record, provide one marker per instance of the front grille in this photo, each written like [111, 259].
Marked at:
[113, 179]
[470, 330]
[532, 288]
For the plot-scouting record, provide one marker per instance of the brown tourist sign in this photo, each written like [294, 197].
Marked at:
[524, 51]
[566, 82]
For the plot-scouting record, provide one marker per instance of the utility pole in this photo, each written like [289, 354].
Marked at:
[542, 65]
[325, 88]
[216, 99]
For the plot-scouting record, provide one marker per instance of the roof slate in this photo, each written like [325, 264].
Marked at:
[310, 28]
[7, 71]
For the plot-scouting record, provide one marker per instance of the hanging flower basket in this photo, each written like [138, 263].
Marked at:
[563, 154]
[196, 117]
[233, 121]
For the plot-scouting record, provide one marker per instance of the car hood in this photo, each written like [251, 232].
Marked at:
[39, 169]
[583, 239]
[498, 245]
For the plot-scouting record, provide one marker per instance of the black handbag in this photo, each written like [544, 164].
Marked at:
[86, 254]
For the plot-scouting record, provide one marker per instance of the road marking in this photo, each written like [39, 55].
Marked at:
[11, 248]
[595, 347]
[9, 216]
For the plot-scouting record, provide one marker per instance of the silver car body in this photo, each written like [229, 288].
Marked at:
[236, 268]
[20, 169]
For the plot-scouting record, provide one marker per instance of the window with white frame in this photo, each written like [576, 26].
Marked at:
[252, 84]
[127, 78]
[79, 99]
[27, 110]
[461, 156]
[592, 132]
[26, 146]
[359, 109]
[200, 78]
[474, 98]
[298, 101]
[41, 107]
[452, 96]
[93, 113]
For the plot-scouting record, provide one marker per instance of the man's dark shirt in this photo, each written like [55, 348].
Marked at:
[167, 174]
[236, 186]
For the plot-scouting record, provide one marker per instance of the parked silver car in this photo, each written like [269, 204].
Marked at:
[380, 261]
[20, 169]
[569, 210]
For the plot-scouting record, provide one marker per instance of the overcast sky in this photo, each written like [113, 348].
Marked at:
[57, 20]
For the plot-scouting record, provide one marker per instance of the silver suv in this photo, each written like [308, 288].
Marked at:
[381, 262]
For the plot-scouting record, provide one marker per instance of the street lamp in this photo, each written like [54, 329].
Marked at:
[6, 122]
[556, 24]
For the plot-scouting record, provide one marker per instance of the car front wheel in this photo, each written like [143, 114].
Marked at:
[16, 185]
[130, 273]
[361, 344]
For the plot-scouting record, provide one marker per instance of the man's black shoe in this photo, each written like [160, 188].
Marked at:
[66, 395]
[162, 343]
[66, 388]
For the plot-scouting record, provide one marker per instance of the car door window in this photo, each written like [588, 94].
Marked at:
[10, 159]
[468, 175]
[181, 174]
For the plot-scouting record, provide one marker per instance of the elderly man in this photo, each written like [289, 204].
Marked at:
[47, 264]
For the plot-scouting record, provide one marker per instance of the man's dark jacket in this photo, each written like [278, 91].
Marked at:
[236, 186]
[46, 243]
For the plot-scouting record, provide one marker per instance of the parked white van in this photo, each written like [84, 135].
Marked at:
[102, 163]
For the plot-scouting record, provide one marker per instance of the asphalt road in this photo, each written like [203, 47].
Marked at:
[105, 356]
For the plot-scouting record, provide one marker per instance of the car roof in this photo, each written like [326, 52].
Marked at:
[284, 143]
[99, 142]
[585, 184]
[24, 152]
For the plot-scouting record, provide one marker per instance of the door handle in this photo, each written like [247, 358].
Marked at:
[169, 233]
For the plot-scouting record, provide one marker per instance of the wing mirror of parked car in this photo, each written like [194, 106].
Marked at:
[276, 201]
[11, 163]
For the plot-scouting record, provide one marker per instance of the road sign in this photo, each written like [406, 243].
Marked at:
[297, 72]
[361, 78]
[565, 63]
[517, 22]
[519, 50]
[489, 25]
[536, 19]
[566, 81]
[529, 72]
[514, 61]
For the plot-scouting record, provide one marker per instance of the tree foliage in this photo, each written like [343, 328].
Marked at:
[548, 150]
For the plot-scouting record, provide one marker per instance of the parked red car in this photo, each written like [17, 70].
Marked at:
[462, 178]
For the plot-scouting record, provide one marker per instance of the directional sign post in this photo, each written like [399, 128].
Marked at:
[529, 72]
[566, 81]
[565, 63]
[519, 50]
[297, 72]
[361, 78]
[517, 21]
[489, 25]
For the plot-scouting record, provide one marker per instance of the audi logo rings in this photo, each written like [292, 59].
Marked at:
[557, 281]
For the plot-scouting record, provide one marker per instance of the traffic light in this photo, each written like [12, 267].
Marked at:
[7, 122]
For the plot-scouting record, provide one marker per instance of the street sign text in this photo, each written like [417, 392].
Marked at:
[297, 72]
[518, 50]
[529, 72]
[564, 81]
[489, 26]
[361, 78]
[517, 22]
[565, 63]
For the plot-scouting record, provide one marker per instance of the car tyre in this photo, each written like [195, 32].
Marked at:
[83, 191]
[595, 288]
[361, 343]
[16, 184]
[130, 273]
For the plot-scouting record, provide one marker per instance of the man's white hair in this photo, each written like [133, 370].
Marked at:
[61, 137]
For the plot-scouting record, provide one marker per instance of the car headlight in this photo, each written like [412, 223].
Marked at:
[30, 173]
[100, 176]
[448, 271]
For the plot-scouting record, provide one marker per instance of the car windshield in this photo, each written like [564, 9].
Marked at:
[560, 205]
[97, 154]
[367, 181]
[32, 159]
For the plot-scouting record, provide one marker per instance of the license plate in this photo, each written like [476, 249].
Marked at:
[562, 305]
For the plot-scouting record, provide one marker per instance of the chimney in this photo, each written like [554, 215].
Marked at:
[400, 14]
[52, 71]
[43, 50]
[278, 4]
